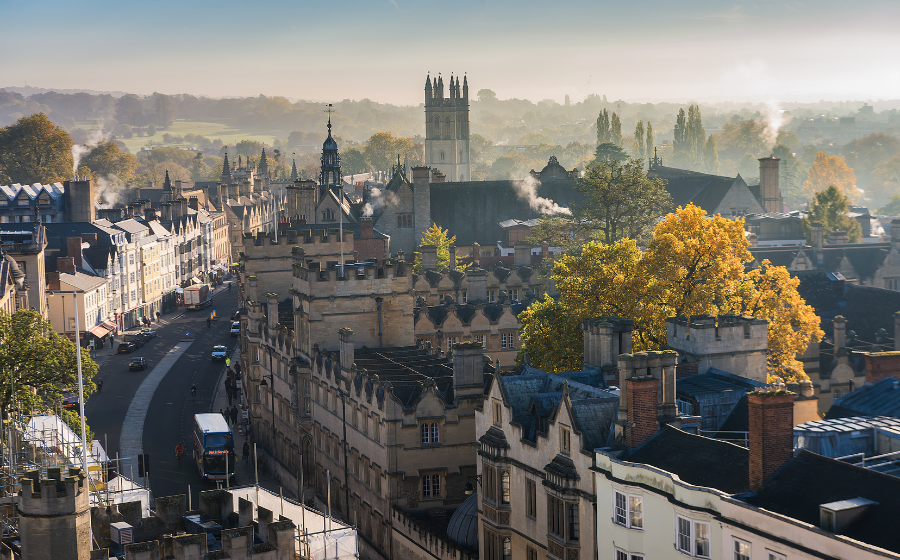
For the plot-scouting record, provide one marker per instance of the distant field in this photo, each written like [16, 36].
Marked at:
[226, 133]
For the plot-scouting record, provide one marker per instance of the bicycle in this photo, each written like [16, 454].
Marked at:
[179, 456]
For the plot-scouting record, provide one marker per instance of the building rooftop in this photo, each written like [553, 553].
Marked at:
[809, 481]
[81, 282]
[696, 460]
[881, 398]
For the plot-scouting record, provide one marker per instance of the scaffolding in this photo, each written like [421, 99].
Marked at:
[42, 442]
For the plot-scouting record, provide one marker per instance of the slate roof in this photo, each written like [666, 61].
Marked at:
[81, 282]
[809, 480]
[473, 210]
[537, 394]
[704, 190]
[715, 381]
[55, 190]
[411, 371]
[696, 460]
[881, 398]
[780, 256]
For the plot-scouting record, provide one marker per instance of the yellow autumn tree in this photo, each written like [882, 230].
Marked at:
[829, 171]
[694, 265]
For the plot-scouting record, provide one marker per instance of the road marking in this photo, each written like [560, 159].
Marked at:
[131, 439]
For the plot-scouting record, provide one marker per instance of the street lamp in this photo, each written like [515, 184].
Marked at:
[263, 383]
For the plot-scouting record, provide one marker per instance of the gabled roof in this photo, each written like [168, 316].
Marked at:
[702, 189]
[80, 281]
[131, 226]
[695, 459]
[808, 481]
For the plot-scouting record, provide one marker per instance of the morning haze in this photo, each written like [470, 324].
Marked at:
[470, 280]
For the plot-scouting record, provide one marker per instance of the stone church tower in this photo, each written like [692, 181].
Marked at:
[447, 128]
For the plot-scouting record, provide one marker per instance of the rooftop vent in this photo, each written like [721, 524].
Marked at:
[837, 516]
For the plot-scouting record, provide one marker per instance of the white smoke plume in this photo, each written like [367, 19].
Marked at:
[79, 150]
[378, 199]
[109, 189]
[527, 190]
[775, 119]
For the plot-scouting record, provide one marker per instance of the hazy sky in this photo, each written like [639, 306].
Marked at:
[637, 50]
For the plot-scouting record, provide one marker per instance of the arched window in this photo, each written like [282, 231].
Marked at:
[442, 155]
[507, 549]
[435, 433]
[426, 433]
[436, 130]
[447, 127]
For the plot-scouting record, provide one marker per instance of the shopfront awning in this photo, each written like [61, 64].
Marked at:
[179, 290]
[109, 325]
[99, 331]
[196, 281]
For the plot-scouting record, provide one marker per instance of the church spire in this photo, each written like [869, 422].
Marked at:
[293, 170]
[263, 167]
[465, 87]
[226, 169]
[167, 184]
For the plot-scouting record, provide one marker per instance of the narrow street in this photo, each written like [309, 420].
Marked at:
[153, 417]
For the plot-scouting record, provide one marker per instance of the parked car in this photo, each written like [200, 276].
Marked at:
[149, 333]
[219, 353]
[137, 364]
[235, 329]
[127, 348]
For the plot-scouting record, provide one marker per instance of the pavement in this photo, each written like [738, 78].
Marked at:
[151, 411]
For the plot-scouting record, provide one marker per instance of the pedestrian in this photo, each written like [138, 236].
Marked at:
[99, 386]
[246, 451]
[228, 392]
[228, 362]
[234, 415]
[194, 391]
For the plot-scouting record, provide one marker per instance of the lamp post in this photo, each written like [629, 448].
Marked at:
[263, 383]
[469, 488]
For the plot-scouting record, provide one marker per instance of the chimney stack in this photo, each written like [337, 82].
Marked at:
[816, 234]
[80, 198]
[89, 238]
[65, 264]
[840, 333]
[642, 397]
[194, 203]
[771, 437]
[73, 250]
[452, 249]
[348, 351]
[429, 257]
[769, 190]
[53, 281]
[272, 310]
[468, 368]
[365, 228]
[522, 253]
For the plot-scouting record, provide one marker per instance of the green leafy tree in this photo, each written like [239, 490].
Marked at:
[440, 238]
[886, 177]
[603, 127]
[37, 365]
[615, 130]
[648, 143]
[620, 200]
[711, 155]
[486, 96]
[637, 143]
[550, 338]
[788, 175]
[106, 158]
[382, 149]
[748, 166]
[679, 142]
[34, 150]
[353, 162]
[864, 155]
[892, 208]
[830, 208]
[165, 112]
[696, 137]
[609, 152]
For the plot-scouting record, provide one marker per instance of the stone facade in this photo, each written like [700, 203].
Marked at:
[54, 515]
[731, 343]
[447, 128]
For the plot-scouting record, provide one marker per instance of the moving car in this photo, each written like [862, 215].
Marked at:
[70, 400]
[219, 353]
[149, 333]
[127, 348]
[137, 364]
[236, 329]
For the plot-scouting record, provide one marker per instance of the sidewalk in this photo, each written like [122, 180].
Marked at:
[244, 473]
